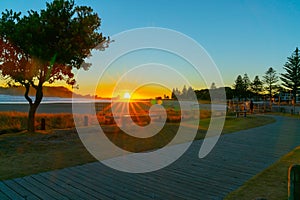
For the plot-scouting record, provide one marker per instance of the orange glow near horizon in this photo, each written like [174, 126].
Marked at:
[130, 90]
[145, 92]
[150, 91]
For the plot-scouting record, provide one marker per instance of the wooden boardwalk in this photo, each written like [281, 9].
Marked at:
[236, 158]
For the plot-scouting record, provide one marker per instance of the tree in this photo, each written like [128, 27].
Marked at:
[175, 93]
[270, 79]
[190, 93]
[247, 84]
[184, 92]
[239, 87]
[44, 47]
[203, 94]
[213, 86]
[229, 92]
[256, 86]
[291, 79]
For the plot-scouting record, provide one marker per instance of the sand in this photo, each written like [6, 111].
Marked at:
[82, 108]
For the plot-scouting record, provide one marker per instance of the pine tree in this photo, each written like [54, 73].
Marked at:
[247, 84]
[190, 93]
[239, 87]
[256, 86]
[291, 79]
[184, 92]
[270, 79]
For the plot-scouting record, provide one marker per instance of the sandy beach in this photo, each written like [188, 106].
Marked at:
[82, 108]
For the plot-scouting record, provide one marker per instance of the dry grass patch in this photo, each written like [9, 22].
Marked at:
[28, 153]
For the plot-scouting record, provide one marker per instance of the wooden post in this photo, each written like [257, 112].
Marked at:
[43, 124]
[86, 121]
[294, 182]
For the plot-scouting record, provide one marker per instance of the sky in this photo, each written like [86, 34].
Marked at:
[246, 36]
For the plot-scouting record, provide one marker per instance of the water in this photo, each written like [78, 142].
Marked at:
[10, 99]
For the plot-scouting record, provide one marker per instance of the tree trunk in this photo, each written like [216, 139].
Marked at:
[33, 106]
[31, 118]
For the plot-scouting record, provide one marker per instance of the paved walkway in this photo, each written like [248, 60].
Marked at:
[236, 158]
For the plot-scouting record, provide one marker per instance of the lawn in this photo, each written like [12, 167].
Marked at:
[297, 116]
[24, 154]
[272, 183]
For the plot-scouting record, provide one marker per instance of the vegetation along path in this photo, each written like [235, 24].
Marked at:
[236, 158]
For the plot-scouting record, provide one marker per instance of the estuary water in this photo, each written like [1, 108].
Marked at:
[11, 99]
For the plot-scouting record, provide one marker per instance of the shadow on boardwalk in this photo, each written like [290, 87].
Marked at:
[236, 158]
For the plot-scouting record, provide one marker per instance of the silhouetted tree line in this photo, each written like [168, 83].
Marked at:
[244, 88]
[203, 94]
[185, 93]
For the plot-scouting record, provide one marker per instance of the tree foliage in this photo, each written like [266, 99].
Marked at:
[239, 86]
[45, 46]
[256, 86]
[291, 77]
[247, 83]
[175, 93]
[186, 93]
[270, 80]
[213, 86]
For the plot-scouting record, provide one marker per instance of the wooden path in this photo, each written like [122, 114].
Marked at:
[236, 158]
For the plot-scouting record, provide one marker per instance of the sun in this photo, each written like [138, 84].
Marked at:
[127, 95]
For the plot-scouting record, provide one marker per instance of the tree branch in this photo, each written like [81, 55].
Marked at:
[33, 85]
[27, 87]
[39, 94]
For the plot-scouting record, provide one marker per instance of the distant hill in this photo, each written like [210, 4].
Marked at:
[48, 91]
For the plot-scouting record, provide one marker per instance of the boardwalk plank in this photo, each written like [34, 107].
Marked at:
[21, 190]
[102, 186]
[63, 176]
[3, 196]
[55, 194]
[51, 184]
[129, 182]
[66, 184]
[157, 187]
[9, 192]
[120, 182]
[41, 194]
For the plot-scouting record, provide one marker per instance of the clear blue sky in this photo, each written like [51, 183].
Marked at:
[246, 36]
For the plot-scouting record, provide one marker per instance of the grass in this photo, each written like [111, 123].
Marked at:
[272, 183]
[233, 124]
[24, 154]
[297, 116]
